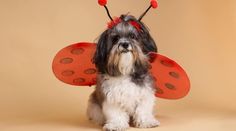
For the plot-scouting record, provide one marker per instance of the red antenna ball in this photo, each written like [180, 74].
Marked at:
[102, 2]
[154, 4]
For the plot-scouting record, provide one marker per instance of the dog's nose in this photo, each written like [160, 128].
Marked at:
[125, 45]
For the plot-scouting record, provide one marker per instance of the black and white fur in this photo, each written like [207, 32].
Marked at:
[124, 94]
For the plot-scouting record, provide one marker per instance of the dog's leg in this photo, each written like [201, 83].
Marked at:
[116, 118]
[143, 116]
[94, 111]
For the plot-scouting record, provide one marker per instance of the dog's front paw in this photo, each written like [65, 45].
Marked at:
[115, 127]
[147, 123]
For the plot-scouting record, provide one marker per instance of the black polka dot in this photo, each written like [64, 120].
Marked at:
[159, 90]
[68, 73]
[170, 86]
[77, 51]
[66, 60]
[79, 80]
[90, 71]
[174, 74]
[167, 63]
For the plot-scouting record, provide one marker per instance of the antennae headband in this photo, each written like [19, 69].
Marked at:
[153, 4]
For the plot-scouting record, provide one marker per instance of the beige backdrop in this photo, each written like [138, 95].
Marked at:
[199, 34]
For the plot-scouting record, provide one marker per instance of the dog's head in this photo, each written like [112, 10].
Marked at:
[122, 48]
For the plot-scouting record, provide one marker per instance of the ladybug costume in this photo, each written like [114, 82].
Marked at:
[73, 65]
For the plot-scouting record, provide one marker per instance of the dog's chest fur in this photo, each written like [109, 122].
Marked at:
[122, 91]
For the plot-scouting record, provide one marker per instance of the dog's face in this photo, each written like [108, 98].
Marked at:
[122, 49]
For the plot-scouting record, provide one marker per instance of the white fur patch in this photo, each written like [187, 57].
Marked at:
[122, 91]
[126, 63]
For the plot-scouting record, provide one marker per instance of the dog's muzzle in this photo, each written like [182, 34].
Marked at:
[125, 47]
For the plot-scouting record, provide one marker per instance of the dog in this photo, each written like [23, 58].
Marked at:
[125, 91]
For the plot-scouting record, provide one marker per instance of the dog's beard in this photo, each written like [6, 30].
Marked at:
[122, 61]
[126, 62]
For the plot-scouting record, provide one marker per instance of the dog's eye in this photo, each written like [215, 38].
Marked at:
[132, 36]
[115, 38]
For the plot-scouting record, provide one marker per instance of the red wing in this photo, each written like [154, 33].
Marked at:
[73, 64]
[172, 81]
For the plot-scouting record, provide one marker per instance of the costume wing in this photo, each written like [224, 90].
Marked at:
[73, 65]
[172, 81]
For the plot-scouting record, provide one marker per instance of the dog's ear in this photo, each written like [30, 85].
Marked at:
[100, 56]
[149, 44]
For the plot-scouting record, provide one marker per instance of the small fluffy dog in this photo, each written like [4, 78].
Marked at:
[125, 89]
